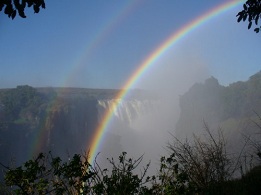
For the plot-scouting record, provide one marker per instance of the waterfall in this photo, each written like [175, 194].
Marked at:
[127, 111]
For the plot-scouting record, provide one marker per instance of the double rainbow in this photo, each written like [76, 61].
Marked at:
[148, 62]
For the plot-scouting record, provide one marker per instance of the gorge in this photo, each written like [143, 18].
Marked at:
[63, 120]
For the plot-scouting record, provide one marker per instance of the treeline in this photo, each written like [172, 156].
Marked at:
[202, 165]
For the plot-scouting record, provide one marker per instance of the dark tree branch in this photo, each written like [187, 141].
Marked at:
[251, 12]
[11, 7]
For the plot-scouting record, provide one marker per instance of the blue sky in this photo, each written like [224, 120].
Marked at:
[99, 44]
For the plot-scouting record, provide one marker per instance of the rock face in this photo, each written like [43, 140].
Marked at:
[236, 109]
[201, 103]
[69, 125]
[61, 120]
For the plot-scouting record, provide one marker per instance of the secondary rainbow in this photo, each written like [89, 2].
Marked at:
[112, 23]
[148, 62]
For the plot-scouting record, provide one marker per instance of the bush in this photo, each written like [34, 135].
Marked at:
[49, 175]
[203, 163]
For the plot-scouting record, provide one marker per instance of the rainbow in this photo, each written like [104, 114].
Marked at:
[40, 137]
[105, 30]
[147, 63]
[119, 15]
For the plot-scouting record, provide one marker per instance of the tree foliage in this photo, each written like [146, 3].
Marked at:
[21, 100]
[49, 175]
[12, 7]
[251, 12]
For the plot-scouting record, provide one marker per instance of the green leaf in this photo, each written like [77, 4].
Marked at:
[239, 18]
[256, 19]
[245, 7]
[1, 6]
[21, 13]
[257, 30]
[29, 3]
[13, 14]
[36, 9]
[244, 17]
[43, 5]
[8, 10]
[249, 25]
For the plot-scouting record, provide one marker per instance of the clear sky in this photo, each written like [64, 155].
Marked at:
[100, 43]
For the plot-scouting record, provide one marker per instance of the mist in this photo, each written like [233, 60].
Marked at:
[92, 49]
[149, 132]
